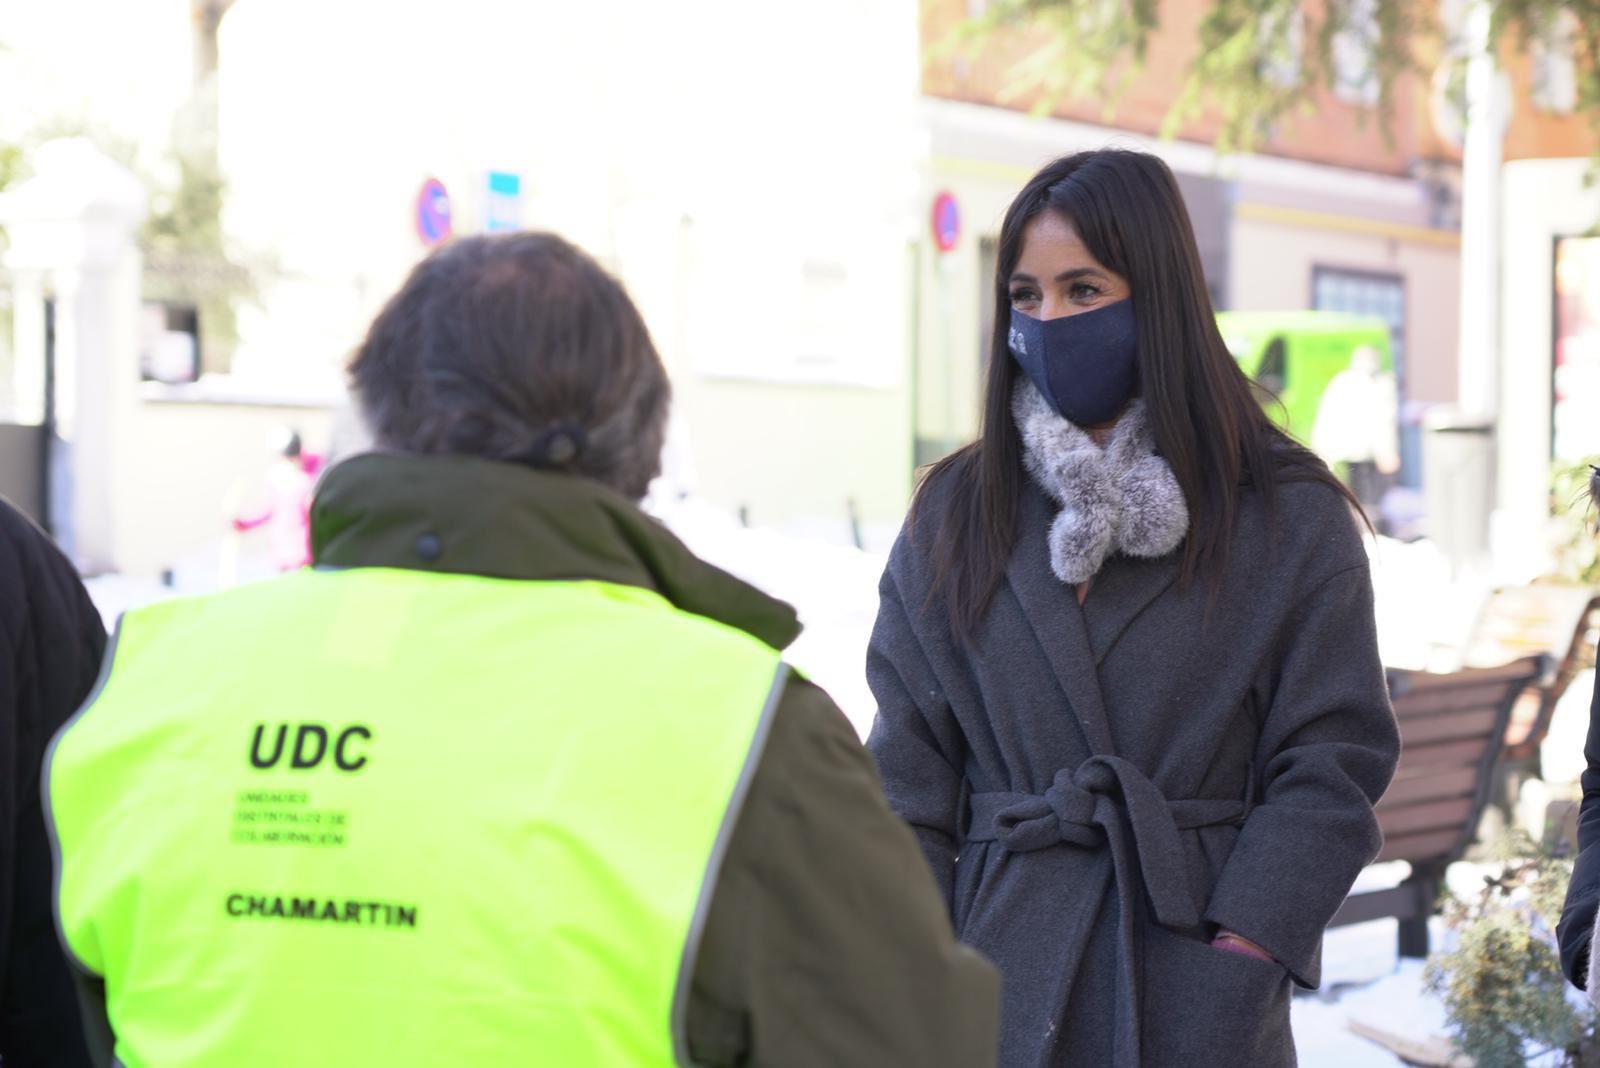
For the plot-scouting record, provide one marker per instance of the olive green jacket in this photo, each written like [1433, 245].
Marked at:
[827, 942]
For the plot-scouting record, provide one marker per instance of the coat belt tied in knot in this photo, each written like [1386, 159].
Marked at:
[1108, 800]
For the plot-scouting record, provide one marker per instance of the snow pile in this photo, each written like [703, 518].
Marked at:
[1424, 615]
[833, 587]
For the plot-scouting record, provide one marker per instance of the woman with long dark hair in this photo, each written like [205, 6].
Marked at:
[1129, 692]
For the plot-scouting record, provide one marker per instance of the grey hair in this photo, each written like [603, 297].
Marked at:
[517, 347]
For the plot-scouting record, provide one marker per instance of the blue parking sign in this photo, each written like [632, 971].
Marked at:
[503, 202]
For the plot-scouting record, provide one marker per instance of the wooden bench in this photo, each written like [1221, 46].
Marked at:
[1558, 621]
[1452, 731]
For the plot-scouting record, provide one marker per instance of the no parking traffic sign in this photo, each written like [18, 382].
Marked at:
[433, 213]
[946, 221]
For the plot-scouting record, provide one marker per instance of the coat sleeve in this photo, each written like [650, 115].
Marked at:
[826, 942]
[1328, 748]
[1575, 932]
[915, 739]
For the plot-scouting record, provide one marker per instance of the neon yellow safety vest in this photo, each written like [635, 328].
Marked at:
[402, 818]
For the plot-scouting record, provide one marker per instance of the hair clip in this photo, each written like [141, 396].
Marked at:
[558, 446]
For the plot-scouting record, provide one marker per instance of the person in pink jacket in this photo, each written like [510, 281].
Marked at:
[287, 515]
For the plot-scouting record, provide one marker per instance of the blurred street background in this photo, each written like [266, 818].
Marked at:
[204, 202]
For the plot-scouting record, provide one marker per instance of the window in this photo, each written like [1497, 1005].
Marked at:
[1366, 293]
[1554, 68]
[1355, 74]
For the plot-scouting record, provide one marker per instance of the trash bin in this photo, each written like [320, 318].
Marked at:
[1458, 476]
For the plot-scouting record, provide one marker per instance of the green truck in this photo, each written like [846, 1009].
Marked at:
[1295, 354]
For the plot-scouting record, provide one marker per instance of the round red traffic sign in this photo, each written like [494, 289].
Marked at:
[946, 221]
[434, 225]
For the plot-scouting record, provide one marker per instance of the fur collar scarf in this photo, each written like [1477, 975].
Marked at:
[1120, 498]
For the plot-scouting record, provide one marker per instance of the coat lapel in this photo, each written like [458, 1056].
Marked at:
[1124, 588]
[1052, 611]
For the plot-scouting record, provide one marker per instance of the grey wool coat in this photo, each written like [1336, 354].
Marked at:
[1100, 788]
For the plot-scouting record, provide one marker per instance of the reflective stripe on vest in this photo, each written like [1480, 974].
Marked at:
[392, 817]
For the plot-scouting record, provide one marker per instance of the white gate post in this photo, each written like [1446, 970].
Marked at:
[72, 232]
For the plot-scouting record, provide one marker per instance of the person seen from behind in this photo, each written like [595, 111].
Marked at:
[540, 789]
[1357, 426]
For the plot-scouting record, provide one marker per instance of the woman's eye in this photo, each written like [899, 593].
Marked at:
[1084, 291]
[1024, 296]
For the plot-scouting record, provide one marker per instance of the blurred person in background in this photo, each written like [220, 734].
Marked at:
[53, 641]
[1126, 663]
[1357, 427]
[1575, 933]
[540, 789]
[286, 511]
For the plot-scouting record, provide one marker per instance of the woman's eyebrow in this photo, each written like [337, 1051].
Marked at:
[1064, 276]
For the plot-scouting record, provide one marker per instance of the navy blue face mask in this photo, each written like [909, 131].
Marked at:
[1086, 365]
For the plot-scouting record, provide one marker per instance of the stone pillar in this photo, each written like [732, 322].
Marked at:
[72, 229]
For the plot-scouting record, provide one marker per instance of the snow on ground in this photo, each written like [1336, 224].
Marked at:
[834, 588]
[1393, 1000]
[1424, 614]
[1364, 979]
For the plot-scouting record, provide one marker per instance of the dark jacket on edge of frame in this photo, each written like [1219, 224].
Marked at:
[52, 639]
[1576, 929]
[826, 943]
[1100, 788]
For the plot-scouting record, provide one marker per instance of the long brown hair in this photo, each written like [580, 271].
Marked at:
[1203, 411]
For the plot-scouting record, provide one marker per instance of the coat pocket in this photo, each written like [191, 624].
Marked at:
[1203, 1006]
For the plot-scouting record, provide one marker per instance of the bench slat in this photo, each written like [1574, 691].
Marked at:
[1430, 845]
[1398, 820]
[1447, 699]
[1468, 723]
[1413, 785]
[1446, 754]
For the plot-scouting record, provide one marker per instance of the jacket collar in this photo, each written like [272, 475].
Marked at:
[463, 515]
